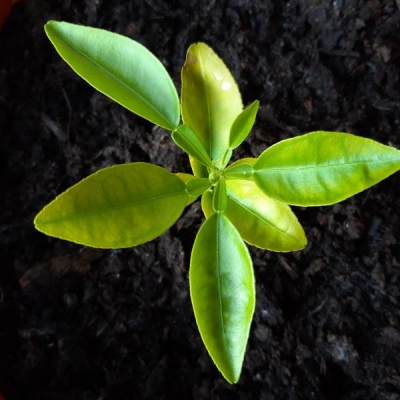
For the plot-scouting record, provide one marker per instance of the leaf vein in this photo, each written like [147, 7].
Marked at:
[261, 218]
[135, 93]
[110, 208]
[324, 166]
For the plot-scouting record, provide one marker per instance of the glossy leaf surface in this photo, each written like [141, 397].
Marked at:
[261, 221]
[322, 168]
[242, 125]
[223, 293]
[239, 171]
[120, 206]
[119, 67]
[210, 99]
[187, 140]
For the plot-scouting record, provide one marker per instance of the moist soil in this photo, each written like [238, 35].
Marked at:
[82, 323]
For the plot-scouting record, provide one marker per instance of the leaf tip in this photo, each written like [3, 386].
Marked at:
[38, 221]
[49, 24]
[233, 377]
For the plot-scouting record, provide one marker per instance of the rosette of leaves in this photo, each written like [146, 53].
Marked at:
[247, 201]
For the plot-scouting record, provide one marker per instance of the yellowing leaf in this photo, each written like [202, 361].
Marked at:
[261, 221]
[222, 290]
[211, 100]
[120, 206]
[199, 170]
[247, 160]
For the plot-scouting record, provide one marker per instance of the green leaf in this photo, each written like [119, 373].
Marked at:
[239, 171]
[210, 100]
[120, 206]
[207, 203]
[197, 186]
[185, 179]
[187, 140]
[222, 290]
[322, 168]
[220, 198]
[261, 221]
[120, 68]
[242, 125]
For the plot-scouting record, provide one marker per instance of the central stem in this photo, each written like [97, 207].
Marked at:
[215, 174]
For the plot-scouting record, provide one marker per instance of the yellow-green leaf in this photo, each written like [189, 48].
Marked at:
[120, 206]
[247, 160]
[210, 100]
[222, 290]
[322, 168]
[199, 170]
[261, 221]
[120, 68]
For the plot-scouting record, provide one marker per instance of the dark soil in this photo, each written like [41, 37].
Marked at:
[80, 323]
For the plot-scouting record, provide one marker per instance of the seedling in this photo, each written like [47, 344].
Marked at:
[246, 201]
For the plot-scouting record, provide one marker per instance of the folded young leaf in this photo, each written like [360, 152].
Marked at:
[199, 170]
[188, 141]
[119, 67]
[222, 290]
[220, 198]
[322, 168]
[242, 125]
[210, 100]
[261, 221]
[120, 206]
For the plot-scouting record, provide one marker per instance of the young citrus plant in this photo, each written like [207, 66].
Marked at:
[246, 201]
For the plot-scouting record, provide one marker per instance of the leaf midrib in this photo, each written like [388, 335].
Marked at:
[209, 132]
[219, 279]
[324, 166]
[262, 219]
[117, 79]
[110, 209]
